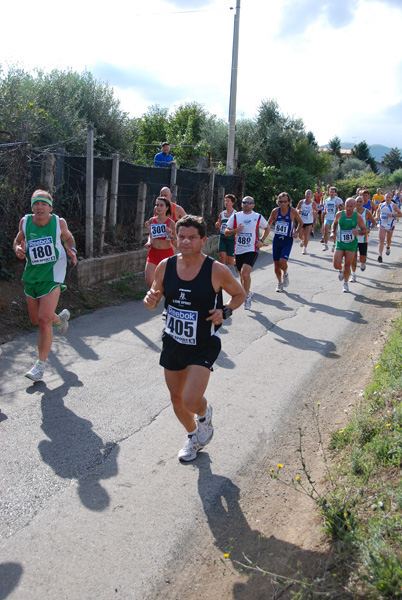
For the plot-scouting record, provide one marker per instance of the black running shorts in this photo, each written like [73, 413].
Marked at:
[176, 357]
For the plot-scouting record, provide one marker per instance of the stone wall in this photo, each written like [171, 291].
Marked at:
[106, 268]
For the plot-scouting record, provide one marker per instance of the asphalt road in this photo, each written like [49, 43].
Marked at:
[94, 503]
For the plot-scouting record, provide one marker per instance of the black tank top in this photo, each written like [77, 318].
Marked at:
[188, 303]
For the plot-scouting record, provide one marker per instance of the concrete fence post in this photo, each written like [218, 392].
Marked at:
[114, 187]
[140, 217]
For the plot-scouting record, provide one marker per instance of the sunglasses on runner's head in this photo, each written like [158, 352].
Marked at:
[247, 202]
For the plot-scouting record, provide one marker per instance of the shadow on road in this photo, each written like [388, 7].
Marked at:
[74, 450]
[10, 575]
[351, 315]
[233, 535]
[297, 340]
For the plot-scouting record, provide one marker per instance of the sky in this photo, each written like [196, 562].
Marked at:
[336, 64]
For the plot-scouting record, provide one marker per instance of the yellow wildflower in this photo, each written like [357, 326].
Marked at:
[280, 466]
[297, 478]
[388, 425]
[226, 555]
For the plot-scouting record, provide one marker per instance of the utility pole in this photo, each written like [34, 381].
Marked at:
[89, 184]
[233, 92]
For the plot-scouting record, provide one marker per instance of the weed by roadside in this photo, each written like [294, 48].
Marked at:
[361, 498]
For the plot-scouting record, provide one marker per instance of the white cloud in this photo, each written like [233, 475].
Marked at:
[333, 63]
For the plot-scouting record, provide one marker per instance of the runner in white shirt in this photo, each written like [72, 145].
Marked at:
[308, 211]
[385, 215]
[245, 225]
[331, 207]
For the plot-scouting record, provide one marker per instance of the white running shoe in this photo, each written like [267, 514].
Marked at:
[285, 281]
[63, 325]
[363, 267]
[325, 247]
[36, 373]
[205, 429]
[190, 449]
[388, 251]
[345, 288]
[341, 276]
[304, 250]
[352, 278]
[279, 287]
[247, 302]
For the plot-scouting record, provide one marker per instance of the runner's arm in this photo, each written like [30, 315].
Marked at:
[273, 216]
[335, 224]
[19, 242]
[222, 278]
[68, 240]
[180, 212]
[297, 218]
[265, 234]
[371, 218]
[361, 225]
[154, 295]
[396, 211]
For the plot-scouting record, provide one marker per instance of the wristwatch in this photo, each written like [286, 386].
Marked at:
[226, 312]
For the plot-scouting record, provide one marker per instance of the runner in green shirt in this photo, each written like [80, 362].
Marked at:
[347, 225]
[44, 241]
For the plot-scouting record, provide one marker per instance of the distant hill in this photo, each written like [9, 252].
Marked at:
[377, 151]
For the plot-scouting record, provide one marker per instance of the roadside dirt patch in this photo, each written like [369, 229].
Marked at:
[14, 318]
[264, 524]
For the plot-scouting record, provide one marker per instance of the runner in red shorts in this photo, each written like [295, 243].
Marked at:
[162, 237]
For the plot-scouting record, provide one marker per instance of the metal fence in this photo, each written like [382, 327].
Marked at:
[24, 169]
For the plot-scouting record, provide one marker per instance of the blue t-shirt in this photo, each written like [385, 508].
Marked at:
[161, 160]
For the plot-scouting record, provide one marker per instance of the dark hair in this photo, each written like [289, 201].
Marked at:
[281, 196]
[231, 197]
[193, 221]
[167, 202]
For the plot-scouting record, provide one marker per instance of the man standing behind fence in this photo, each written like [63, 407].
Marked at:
[164, 158]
